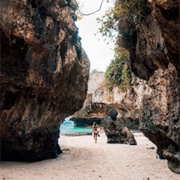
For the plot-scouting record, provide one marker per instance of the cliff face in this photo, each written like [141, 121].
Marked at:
[44, 74]
[156, 59]
[157, 38]
[127, 103]
[95, 79]
[160, 115]
[91, 111]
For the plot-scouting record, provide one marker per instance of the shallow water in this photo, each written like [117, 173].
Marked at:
[68, 127]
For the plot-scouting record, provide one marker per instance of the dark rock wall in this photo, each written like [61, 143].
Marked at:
[160, 115]
[156, 59]
[44, 74]
[157, 43]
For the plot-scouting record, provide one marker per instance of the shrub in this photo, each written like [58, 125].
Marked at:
[117, 73]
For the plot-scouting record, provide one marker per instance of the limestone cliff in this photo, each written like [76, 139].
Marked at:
[155, 57]
[127, 103]
[44, 74]
[91, 111]
[152, 38]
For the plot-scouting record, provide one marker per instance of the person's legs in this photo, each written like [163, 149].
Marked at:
[95, 138]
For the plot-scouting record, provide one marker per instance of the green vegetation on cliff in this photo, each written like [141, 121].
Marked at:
[117, 73]
[118, 24]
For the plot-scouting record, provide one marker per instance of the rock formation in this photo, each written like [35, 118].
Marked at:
[152, 39]
[114, 110]
[115, 132]
[44, 74]
[155, 57]
[118, 112]
[160, 115]
[91, 111]
[126, 103]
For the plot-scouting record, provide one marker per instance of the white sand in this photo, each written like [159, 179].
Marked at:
[82, 159]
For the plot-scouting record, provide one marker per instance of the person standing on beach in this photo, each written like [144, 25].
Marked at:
[95, 131]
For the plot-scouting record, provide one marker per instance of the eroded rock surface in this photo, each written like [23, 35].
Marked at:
[155, 58]
[91, 111]
[44, 74]
[127, 103]
[160, 115]
[115, 132]
[153, 43]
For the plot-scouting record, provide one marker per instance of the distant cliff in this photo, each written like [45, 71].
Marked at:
[44, 74]
[128, 103]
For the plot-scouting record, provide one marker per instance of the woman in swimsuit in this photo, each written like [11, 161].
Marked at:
[95, 131]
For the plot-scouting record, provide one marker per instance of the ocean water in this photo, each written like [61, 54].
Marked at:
[68, 127]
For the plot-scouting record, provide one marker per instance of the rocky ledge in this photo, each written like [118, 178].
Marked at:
[86, 121]
[44, 74]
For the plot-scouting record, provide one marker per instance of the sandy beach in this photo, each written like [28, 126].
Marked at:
[82, 159]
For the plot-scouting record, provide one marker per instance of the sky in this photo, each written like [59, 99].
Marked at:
[99, 52]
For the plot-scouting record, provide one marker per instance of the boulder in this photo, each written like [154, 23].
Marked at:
[115, 132]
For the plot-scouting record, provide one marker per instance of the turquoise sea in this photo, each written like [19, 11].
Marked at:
[68, 128]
